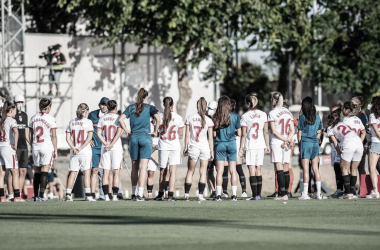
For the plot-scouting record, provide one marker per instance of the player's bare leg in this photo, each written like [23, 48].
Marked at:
[105, 181]
[115, 187]
[70, 185]
[234, 179]
[211, 180]
[142, 178]
[94, 178]
[161, 186]
[87, 185]
[22, 174]
[10, 195]
[16, 185]
[2, 192]
[202, 179]
[134, 177]
[189, 177]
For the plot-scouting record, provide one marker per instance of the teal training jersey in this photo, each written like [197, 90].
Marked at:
[141, 124]
[228, 134]
[309, 132]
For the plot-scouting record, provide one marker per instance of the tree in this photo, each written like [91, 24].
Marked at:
[347, 49]
[192, 30]
[247, 78]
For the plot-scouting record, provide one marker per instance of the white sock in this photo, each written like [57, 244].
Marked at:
[234, 189]
[87, 191]
[10, 196]
[200, 195]
[218, 190]
[318, 183]
[186, 195]
[134, 190]
[305, 188]
[68, 191]
[115, 196]
[141, 191]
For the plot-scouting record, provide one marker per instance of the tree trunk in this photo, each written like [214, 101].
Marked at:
[283, 79]
[185, 92]
[298, 80]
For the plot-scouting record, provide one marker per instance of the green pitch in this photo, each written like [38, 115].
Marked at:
[267, 224]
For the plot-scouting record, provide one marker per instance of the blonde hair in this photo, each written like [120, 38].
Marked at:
[277, 96]
[81, 109]
[251, 100]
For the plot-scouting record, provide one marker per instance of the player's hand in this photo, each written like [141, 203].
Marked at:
[211, 155]
[185, 151]
[55, 154]
[75, 151]
[92, 143]
[241, 153]
[14, 147]
[267, 151]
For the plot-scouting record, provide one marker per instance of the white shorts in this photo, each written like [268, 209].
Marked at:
[113, 158]
[169, 158]
[254, 157]
[197, 153]
[352, 151]
[43, 157]
[237, 145]
[80, 162]
[8, 158]
[279, 154]
[152, 165]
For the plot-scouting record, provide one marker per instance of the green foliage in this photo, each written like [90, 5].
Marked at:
[247, 78]
[348, 47]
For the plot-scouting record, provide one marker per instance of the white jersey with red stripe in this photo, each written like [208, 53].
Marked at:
[374, 121]
[354, 123]
[7, 137]
[109, 125]
[282, 119]
[254, 120]
[343, 133]
[79, 129]
[198, 134]
[169, 139]
[42, 124]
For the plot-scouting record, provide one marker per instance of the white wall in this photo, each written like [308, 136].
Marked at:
[97, 74]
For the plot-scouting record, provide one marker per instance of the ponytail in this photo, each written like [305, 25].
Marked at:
[202, 108]
[6, 108]
[277, 96]
[251, 100]
[168, 103]
[233, 105]
[81, 109]
[111, 105]
[140, 101]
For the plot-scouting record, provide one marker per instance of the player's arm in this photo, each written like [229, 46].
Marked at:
[54, 140]
[291, 132]
[100, 136]
[31, 136]
[277, 134]
[180, 133]
[16, 135]
[363, 134]
[117, 136]
[27, 136]
[376, 129]
[157, 125]
[71, 143]
[88, 140]
[335, 142]
[299, 136]
[266, 136]
[211, 142]
[242, 140]
[187, 138]
[122, 123]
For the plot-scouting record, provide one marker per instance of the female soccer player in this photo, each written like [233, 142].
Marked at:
[109, 132]
[169, 148]
[199, 144]
[140, 142]
[227, 123]
[282, 129]
[43, 131]
[8, 147]
[374, 121]
[78, 136]
[309, 132]
[254, 143]
[350, 151]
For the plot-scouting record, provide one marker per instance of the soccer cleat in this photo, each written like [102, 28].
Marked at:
[200, 198]
[290, 195]
[186, 198]
[107, 198]
[244, 195]
[281, 198]
[250, 199]
[217, 198]
[257, 198]
[373, 195]
[134, 197]
[304, 197]
[41, 199]
[18, 199]
[68, 198]
[234, 198]
[159, 198]
[89, 198]
[318, 197]
[344, 196]
[114, 198]
[3, 199]
[274, 195]
[139, 198]
[355, 196]
[336, 194]
[224, 195]
[213, 195]
[349, 197]
[120, 196]
[171, 198]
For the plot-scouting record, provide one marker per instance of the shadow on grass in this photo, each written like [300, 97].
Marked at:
[148, 220]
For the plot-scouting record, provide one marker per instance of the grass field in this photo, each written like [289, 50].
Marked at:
[266, 224]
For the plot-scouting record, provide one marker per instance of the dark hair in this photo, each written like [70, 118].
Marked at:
[251, 100]
[333, 119]
[233, 105]
[285, 103]
[222, 114]
[6, 108]
[44, 104]
[168, 103]
[111, 105]
[349, 105]
[140, 101]
[202, 108]
[338, 107]
[81, 109]
[308, 110]
[376, 106]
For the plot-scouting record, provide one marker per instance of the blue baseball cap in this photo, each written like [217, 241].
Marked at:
[104, 100]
